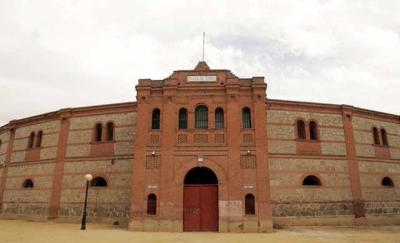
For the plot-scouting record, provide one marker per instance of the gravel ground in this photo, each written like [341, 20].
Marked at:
[50, 232]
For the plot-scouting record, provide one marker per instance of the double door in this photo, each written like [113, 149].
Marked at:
[200, 207]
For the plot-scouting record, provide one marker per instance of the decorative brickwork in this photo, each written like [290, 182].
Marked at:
[200, 138]
[152, 162]
[182, 138]
[247, 162]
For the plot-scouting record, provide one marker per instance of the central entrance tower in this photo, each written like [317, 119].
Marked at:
[200, 151]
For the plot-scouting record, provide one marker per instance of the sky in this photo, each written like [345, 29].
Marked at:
[59, 54]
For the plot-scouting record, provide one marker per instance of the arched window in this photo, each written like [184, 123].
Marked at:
[99, 182]
[201, 117]
[31, 139]
[182, 121]
[246, 117]
[98, 131]
[219, 118]
[384, 137]
[151, 204]
[376, 135]
[110, 131]
[155, 119]
[386, 181]
[301, 129]
[249, 203]
[28, 183]
[313, 130]
[311, 181]
[39, 139]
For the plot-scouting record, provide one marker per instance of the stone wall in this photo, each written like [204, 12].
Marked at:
[4, 138]
[294, 203]
[20, 201]
[282, 134]
[291, 199]
[82, 130]
[48, 148]
[380, 199]
[110, 202]
[364, 137]
[32, 202]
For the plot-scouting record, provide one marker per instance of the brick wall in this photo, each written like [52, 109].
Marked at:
[292, 203]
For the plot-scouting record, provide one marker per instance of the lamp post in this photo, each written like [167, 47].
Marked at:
[88, 178]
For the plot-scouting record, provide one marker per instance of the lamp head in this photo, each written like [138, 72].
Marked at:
[88, 177]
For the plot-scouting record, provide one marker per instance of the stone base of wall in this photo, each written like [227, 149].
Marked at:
[28, 210]
[39, 218]
[344, 220]
[334, 209]
[154, 225]
[103, 214]
[97, 220]
[95, 211]
[382, 208]
[388, 219]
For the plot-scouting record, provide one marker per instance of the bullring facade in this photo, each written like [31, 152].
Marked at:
[204, 150]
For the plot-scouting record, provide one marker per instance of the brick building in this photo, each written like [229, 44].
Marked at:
[204, 150]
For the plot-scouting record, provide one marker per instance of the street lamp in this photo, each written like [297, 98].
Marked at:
[88, 178]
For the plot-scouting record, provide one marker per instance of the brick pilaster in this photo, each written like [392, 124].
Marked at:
[234, 118]
[263, 189]
[59, 167]
[143, 118]
[6, 165]
[168, 138]
[358, 202]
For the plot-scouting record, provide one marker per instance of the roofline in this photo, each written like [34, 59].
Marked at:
[65, 111]
[337, 106]
[210, 70]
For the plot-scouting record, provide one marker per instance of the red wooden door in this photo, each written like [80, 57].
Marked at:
[200, 208]
[191, 208]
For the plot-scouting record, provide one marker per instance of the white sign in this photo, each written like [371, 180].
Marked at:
[201, 78]
[248, 186]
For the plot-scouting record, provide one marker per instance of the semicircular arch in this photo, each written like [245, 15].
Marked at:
[187, 166]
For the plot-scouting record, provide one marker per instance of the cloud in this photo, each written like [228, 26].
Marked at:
[56, 54]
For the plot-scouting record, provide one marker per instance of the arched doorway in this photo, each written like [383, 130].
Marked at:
[200, 200]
